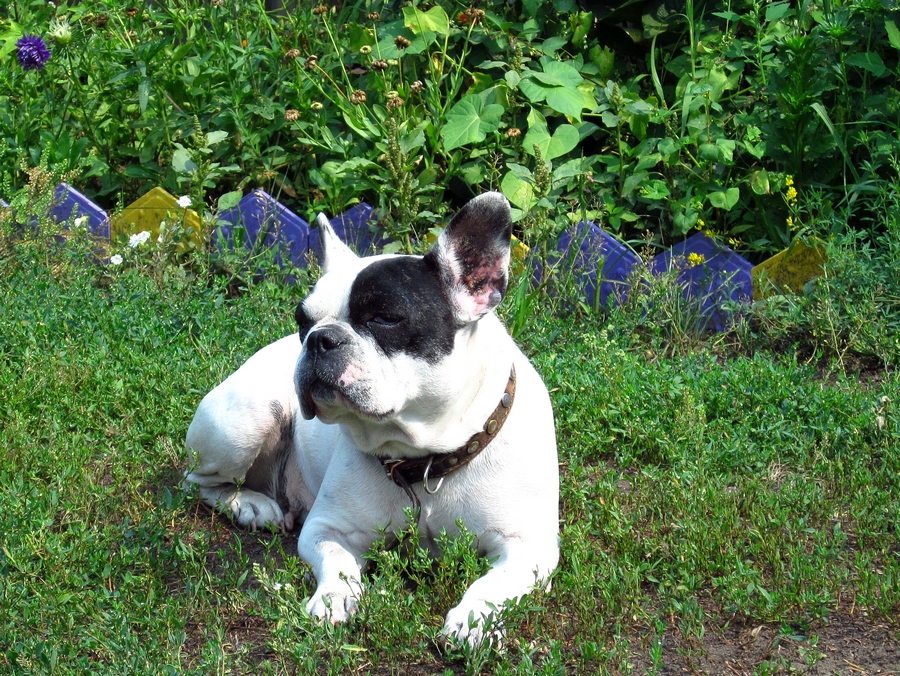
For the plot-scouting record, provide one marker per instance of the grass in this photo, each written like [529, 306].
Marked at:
[717, 509]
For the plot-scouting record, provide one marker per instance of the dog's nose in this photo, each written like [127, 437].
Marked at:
[324, 340]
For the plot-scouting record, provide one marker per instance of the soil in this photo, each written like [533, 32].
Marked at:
[844, 644]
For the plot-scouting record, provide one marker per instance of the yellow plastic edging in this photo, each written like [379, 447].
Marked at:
[148, 211]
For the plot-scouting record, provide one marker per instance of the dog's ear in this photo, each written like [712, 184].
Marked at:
[334, 251]
[472, 256]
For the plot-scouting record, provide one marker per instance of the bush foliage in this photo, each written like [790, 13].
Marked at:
[760, 120]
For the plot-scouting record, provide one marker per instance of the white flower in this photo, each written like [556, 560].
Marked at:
[138, 239]
[81, 221]
[184, 201]
[116, 259]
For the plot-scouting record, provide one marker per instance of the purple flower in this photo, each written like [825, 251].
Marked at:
[32, 52]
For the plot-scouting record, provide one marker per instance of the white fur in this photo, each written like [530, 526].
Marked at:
[507, 496]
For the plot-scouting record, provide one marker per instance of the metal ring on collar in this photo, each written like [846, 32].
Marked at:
[425, 479]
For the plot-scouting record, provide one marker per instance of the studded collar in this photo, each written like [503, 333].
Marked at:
[408, 471]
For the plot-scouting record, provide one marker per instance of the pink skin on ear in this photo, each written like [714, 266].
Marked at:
[481, 290]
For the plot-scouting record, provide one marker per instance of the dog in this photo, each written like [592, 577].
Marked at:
[402, 390]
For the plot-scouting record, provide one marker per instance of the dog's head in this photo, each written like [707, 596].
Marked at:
[386, 336]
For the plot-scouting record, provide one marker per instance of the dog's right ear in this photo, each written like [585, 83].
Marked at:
[334, 251]
[472, 256]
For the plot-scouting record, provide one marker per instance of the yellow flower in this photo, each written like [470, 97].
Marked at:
[789, 181]
[700, 223]
[696, 259]
[791, 194]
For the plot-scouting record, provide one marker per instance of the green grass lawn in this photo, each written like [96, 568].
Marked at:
[720, 513]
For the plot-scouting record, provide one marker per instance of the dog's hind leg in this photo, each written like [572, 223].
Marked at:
[241, 439]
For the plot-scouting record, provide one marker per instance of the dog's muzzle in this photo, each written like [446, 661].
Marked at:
[323, 361]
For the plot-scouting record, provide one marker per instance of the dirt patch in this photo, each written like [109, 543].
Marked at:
[843, 644]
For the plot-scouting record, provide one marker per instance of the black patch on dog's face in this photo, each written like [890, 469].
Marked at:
[400, 303]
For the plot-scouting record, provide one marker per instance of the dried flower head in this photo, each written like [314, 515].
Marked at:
[416, 87]
[132, 12]
[379, 64]
[357, 97]
[373, 16]
[291, 115]
[471, 15]
[316, 107]
[401, 42]
[218, 3]
[31, 52]
[513, 132]
[97, 20]
[311, 62]
[394, 102]
[321, 9]
[292, 54]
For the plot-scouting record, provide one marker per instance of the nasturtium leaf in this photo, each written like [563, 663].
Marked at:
[565, 100]
[182, 162]
[759, 182]
[214, 137]
[558, 74]
[564, 139]
[434, 20]
[633, 182]
[517, 190]
[533, 90]
[469, 121]
[228, 200]
[725, 199]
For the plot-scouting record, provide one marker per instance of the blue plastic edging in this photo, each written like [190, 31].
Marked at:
[69, 203]
[718, 274]
[707, 270]
[353, 228]
[259, 212]
[594, 255]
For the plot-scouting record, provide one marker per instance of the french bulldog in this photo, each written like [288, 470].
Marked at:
[402, 390]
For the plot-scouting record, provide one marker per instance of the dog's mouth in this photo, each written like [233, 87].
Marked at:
[327, 402]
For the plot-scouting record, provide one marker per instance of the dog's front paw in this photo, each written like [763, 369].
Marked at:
[333, 606]
[251, 509]
[474, 625]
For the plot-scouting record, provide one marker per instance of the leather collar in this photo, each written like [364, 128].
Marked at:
[408, 471]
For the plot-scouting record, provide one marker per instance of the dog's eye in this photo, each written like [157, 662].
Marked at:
[384, 321]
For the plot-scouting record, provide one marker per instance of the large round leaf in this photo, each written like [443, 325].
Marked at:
[470, 121]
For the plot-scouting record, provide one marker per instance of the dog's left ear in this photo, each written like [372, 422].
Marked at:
[334, 251]
[472, 256]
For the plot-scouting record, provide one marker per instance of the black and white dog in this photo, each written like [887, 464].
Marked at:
[402, 390]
